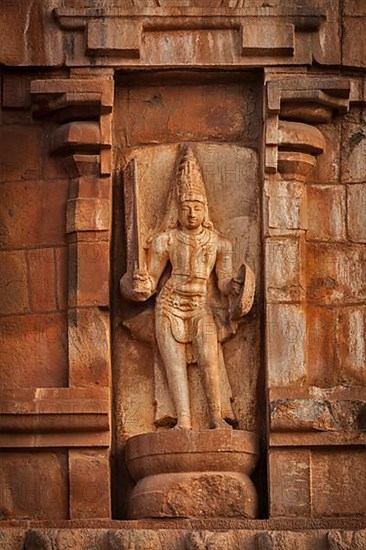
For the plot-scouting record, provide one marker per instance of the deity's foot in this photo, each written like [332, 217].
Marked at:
[220, 424]
[182, 426]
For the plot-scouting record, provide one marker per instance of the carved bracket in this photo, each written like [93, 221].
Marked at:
[293, 106]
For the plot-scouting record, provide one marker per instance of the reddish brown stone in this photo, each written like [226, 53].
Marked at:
[326, 213]
[33, 213]
[354, 51]
[335, 273]
[356, 207]
[39, 490]
[321, 324]
[62, 274]
[25, 160]
[42, 279]
[338, 483]
[89, 274]
[89, 484]
[290, 483]
[88, 347]
[14, 293]
[33, 351]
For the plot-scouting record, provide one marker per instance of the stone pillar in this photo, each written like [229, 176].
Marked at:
[81, 108]
[306, 421]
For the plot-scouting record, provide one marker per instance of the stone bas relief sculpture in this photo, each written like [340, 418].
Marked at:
[188, 265]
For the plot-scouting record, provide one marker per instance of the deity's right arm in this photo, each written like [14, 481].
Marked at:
[157, 258]
[142, 283]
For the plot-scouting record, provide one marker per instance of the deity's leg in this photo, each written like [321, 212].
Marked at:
[206, 350]
[173, 355]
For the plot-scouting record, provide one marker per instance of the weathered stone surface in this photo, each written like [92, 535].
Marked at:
[216, 109]
[38, 490]
[356, 207]
[321, 327]
[284, 270]
[14, 293]
[22, 162]
[285, 209]
[327, 167]
[354, 51]
[335, 273]
[42, 273]
[89, 484]
[326, 212]
[28, 31]
[343, 493]
[351, 345]
[353, 152]
[317, 415]
[33, 213]
[127, 540]
[285, 326]
[286, 118]
[290, 490]
[89, 274]
[89, 350]
[190, 482]
[33, 351]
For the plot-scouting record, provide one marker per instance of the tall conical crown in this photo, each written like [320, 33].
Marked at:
[190, 184]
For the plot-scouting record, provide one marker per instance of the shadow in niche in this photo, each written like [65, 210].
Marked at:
[147, 102]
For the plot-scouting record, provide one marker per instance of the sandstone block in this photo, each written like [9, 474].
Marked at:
[208, 112]
[285, 207]
[354, 51]
[88, 214]
[284, 272]
[24, 160]
[286, 344]
[327, 167]
[34, 485]
[356, 208]
[321, 326]
[353, 163]
[62, 276]
[326, 212]
[354, 7]
[89, 342]
[33, 351]
[289, 483]
[335, 273]
[33, 213]
[338, 483]
[89, 484]
[42, 279]
[351, 345]
[89, 274]
[14, 294]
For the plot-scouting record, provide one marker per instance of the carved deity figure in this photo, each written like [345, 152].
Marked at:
[183, 262]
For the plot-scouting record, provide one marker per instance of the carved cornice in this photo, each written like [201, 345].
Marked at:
[256, 35]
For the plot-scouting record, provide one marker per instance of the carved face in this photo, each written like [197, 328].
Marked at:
[191, 214]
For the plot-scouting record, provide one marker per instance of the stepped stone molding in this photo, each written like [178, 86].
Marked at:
[248, 35]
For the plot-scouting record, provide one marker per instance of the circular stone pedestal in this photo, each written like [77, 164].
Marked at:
[198, 473]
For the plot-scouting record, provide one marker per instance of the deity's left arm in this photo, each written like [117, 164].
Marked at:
[224, 265]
